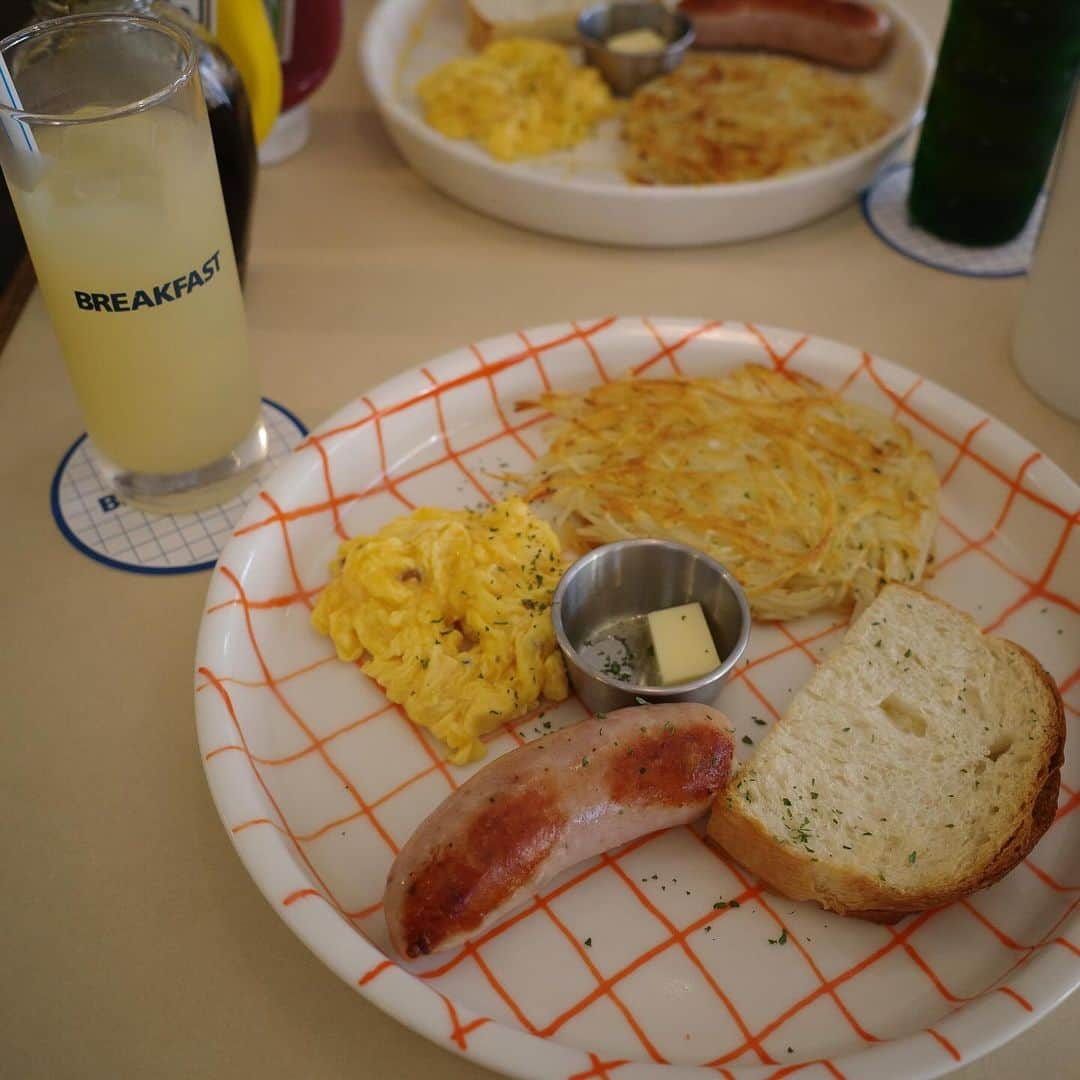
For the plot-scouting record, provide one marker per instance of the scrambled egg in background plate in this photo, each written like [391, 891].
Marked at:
[448, 611]
[518, 98]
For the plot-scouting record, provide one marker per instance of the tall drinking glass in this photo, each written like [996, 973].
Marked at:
[111, 167]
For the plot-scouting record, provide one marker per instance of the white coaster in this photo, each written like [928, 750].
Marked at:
[101, 526]
[884, 206]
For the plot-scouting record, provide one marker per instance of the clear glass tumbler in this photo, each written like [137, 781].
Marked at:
[1046, 341]
[112, 171]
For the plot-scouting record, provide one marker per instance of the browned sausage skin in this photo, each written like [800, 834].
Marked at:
[540, 809]
[841, 32]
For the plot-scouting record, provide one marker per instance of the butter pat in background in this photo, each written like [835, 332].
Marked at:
[682, 642]
[637, 42]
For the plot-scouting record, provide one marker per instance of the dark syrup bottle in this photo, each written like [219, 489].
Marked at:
[1004, 78]
[14, 15]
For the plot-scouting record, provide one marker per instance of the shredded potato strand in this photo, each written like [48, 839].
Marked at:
[811, 501]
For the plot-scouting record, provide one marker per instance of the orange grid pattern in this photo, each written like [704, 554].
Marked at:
[678, 933]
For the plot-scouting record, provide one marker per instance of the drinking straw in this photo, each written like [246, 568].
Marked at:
[16, 130]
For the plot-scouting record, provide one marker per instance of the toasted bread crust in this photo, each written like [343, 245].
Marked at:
[479, 31]
[1044, 796]
[797, 875]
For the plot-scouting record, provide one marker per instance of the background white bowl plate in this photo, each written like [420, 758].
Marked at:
[582, 193]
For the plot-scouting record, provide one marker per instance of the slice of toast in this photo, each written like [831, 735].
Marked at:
[555, 20]
[919, 763]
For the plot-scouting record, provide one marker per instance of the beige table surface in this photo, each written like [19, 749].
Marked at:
[133, 942]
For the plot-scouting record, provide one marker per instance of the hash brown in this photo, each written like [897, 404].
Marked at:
[724, 118]
[811, 501]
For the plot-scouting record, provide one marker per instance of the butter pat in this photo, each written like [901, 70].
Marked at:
[637, 42]
[683, 645]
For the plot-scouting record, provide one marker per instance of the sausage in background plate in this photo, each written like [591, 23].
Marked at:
[841, 32]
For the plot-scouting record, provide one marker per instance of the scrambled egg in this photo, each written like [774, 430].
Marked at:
[448, 611]
[518, 98]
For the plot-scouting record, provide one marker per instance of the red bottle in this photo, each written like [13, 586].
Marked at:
[308, 35]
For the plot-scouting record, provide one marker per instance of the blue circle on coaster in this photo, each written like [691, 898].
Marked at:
[884, 205]
[96, 523]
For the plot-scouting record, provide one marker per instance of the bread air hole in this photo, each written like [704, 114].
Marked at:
[903, 715]
[1001, 745]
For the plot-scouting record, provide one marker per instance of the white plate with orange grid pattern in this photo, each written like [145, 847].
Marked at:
[582, 193]
[624, 967]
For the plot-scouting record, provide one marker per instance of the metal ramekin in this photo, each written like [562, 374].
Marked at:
[634, 577]
[625, 72]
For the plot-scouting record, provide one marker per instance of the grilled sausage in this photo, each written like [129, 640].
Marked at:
[841, 32]
[537, 810]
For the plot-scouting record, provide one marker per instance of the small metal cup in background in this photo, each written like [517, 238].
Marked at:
[634, 577]
[625, 72]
